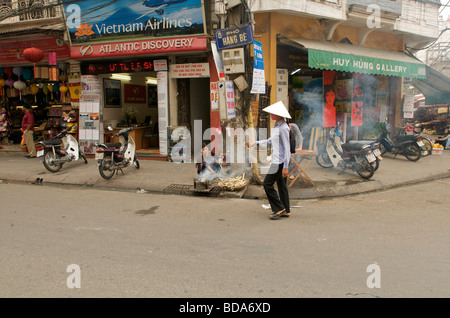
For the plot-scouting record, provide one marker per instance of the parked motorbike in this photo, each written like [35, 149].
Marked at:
[357, 156]
[112, 157]
[59, 150]
[410, 146]
[375, 146]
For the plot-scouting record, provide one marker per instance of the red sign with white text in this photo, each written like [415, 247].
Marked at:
[140, 47]
[135, 94]
[11, 52]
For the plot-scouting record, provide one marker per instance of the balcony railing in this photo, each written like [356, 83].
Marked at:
[14, 11]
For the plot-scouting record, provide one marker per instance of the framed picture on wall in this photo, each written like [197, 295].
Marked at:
[152, 96]
[112, 93]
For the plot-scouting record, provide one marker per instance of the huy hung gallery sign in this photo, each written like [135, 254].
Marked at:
[362, 64]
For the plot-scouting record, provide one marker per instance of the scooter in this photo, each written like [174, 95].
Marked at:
[356, 156]
[112, 157]
[410, 146]
[59, 150]
[375, 146]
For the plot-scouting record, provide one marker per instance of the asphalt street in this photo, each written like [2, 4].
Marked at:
[128, 244]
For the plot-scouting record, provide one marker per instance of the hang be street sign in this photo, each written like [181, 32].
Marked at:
[234, 37]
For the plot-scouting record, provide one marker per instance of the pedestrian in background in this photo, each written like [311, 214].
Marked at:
[28, 131]
[281, 154]
[298, 146]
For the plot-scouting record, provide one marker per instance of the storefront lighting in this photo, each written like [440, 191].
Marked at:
[152, 80]
[296, 71]
[121, 77]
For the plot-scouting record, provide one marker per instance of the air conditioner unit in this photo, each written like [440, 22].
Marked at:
[233, 61]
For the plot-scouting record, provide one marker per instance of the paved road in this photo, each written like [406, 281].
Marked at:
[147, 245]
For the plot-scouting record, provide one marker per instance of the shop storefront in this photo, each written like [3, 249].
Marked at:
[336, 83]
[33, 71]
[139, 65]
[325, 77]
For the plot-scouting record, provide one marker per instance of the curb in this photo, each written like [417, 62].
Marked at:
[256, 192]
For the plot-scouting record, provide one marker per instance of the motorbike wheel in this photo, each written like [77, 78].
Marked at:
[375, 164]
[136, 162]
[428, 146]
[413, 152]
[105, 170]
[83, 157]
[49, 156]
[364, 168]
[323, 160]
[382, 149]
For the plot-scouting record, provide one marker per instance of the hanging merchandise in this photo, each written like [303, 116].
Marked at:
[56, 89]
[8, 70]
[45, 90]
[2, 86]
[19, 85]
[50, 88]
[17, 71]
[63, 89]
[27, 74]
[34, 91]
[10, 82]
[33, 55]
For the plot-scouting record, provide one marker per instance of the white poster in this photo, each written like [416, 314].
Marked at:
[282, 86]
[90, 113]
[214, 89]
[163, 111]
[191, 70]
[231, 103]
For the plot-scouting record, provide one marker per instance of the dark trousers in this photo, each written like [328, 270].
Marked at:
[281, 202]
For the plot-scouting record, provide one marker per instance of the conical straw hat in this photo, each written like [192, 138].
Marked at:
[278, 109]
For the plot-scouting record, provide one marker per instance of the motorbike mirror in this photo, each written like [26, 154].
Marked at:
[110, 128]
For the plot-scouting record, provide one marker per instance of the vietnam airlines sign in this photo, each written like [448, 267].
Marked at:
[91, 22]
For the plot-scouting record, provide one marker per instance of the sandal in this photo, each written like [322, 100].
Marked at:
[276, 215]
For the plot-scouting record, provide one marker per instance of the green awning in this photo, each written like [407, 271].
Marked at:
[357, 59]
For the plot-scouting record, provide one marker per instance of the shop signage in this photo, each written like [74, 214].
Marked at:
[12, 51]
[118, 67]
[135, 94]
[259, 81]
[191, 70]
[231, 103]
[362, 64]
[139, 47]
[234, 37]
[88, 22]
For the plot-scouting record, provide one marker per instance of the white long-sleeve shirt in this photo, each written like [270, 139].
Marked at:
[279, 140]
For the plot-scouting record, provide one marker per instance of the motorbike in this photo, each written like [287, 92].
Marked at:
[60, 149]
[112, 157]
[375, 146]
[357, 156]
[410, 146]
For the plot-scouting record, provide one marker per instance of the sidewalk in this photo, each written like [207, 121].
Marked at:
[172, 178]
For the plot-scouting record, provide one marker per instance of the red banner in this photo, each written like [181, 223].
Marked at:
[357, 102]
[135, 94]
[139, 47]
[12, 51]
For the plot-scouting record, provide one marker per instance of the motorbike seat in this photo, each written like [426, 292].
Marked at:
[361, 142]
[405, 138]
[52, 142]
[353, 146]
[113, 145]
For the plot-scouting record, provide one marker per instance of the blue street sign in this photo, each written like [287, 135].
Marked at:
[234, 37]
